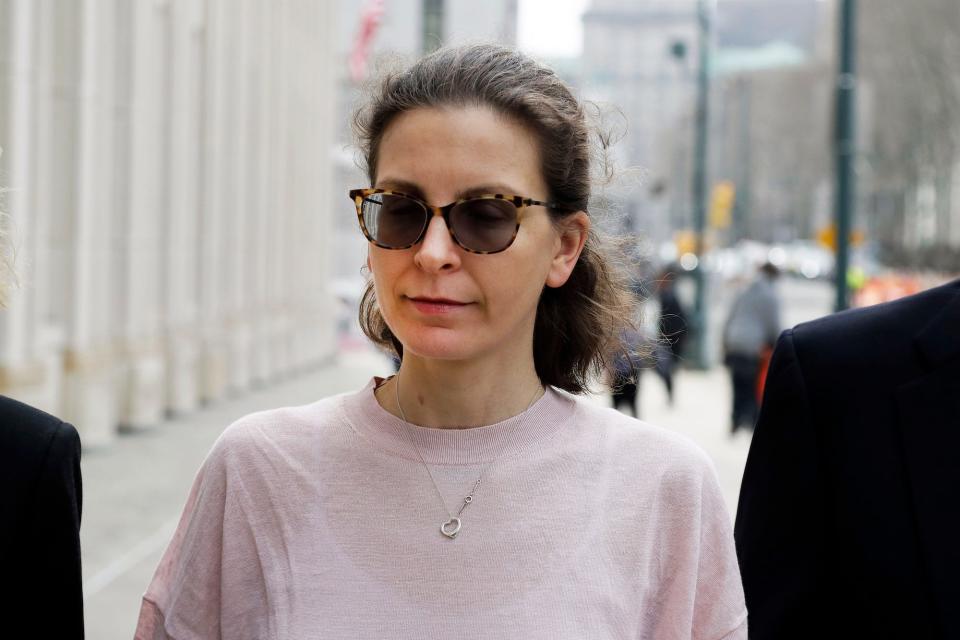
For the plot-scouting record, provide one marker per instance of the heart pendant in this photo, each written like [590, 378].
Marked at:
[451, 528]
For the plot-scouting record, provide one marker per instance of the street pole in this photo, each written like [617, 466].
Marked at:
[432, 25]
[741, 207]
[679, 208]
[699, 186]
[845, 147]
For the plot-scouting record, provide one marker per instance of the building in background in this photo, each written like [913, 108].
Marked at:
[772, 119]
[641, 57]
[639, 65]
[166, 165]
[772, 134]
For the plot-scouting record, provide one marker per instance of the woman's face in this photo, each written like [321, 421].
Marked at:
[441, 301]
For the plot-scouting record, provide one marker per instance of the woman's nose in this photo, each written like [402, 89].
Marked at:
[437, 251]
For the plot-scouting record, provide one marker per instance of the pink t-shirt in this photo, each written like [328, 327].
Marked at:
[321, 522]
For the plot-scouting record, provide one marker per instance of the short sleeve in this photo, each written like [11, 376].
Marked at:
[699, 594]
[719, 607]
[209, 582]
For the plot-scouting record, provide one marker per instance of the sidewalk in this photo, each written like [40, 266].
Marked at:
[134, 491]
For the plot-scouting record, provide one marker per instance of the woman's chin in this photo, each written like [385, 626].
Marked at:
[448, 345]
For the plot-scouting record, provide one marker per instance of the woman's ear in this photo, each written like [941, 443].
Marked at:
[574, 230]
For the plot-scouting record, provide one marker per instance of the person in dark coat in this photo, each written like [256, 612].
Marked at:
[848, 523]
[625, 372]
[40, 502]
[673, 327]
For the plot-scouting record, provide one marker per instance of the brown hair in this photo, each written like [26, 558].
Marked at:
[580, 323]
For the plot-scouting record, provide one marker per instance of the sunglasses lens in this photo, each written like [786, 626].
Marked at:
[485, 225]
[393, 221]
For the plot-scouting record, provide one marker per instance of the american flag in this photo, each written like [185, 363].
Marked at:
[369, 21]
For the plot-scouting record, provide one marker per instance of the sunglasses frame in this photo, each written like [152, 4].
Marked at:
[519, 203]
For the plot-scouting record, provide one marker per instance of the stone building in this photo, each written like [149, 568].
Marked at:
[639, 64]
[642, 58]
[167, 167]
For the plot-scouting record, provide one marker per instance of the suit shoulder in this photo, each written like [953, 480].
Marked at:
[888, 321]
[25, 428]
[18, 414]
[30, 440]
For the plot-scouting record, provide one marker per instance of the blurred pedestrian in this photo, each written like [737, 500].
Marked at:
[749, 334]
[625, 372]
[673, 328]
[41, 593]
[332, 519]
[850, 504]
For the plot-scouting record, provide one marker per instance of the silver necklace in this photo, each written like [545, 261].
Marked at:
[452, 526]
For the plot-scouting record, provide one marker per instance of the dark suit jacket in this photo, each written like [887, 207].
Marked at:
[849, 517]
[40, 499]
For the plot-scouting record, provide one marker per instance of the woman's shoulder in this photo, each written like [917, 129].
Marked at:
[290, 430]
[629, 442]
[646, 464]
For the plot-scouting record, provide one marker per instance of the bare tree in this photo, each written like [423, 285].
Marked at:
[909, 53]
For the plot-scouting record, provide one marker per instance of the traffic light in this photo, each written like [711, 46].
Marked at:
[721, 204]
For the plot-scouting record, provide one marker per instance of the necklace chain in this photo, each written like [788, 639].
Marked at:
[452, 527]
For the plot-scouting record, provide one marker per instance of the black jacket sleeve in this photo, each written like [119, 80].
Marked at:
[56, 527]
[779, 528]
[40, 502]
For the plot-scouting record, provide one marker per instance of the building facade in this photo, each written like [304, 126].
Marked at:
[641, 57]
[639, 64]
[166, 165]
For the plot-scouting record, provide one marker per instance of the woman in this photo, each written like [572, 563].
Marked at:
[469, 495]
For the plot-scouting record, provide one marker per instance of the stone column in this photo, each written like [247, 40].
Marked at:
[181, 329]
[21, 374]
[257, 170]
[277, 191]
[216, 200]
[322, 316]
[147, 221]
[57, 186]
[236, 230]
[92, 357]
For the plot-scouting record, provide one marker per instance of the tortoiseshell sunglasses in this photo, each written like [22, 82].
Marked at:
[481, 224]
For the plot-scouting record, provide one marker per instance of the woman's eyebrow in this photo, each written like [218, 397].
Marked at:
[413, 189]
[485, 190]
[404, 186]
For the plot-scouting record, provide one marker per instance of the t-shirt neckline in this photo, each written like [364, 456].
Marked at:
[474, 445]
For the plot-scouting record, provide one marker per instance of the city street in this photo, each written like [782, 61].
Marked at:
[190, 190]
[134, 490]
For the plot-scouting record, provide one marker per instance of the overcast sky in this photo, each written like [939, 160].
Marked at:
[551, 27]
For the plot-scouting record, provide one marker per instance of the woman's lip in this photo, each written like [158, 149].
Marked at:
[436, 306]
[438, 301]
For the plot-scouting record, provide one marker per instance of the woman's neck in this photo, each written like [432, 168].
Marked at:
[450, 394]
